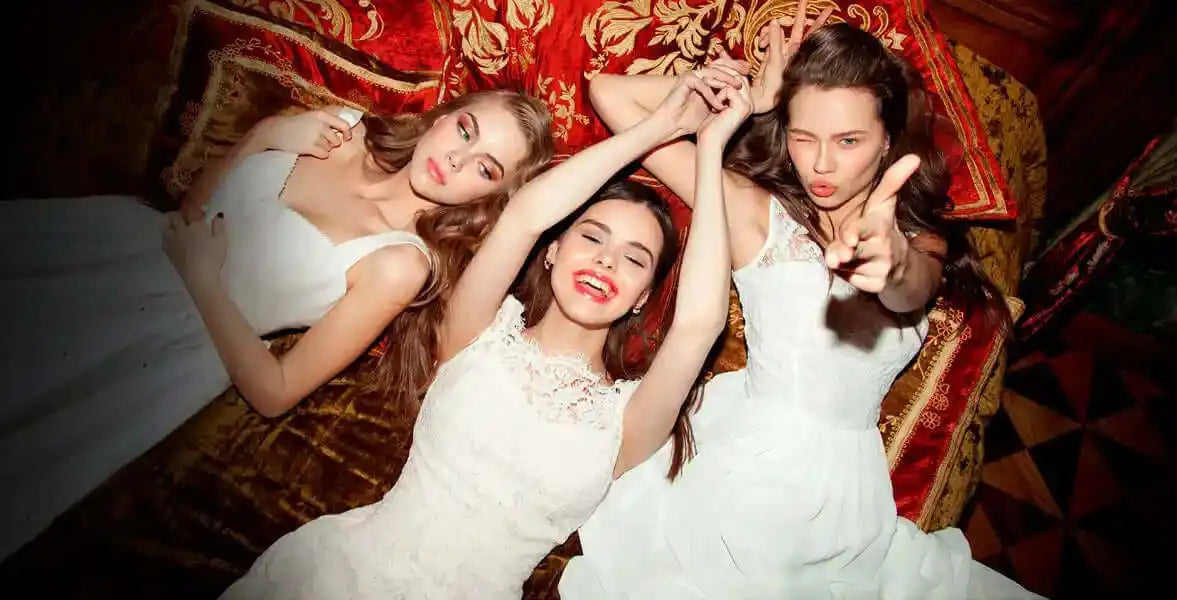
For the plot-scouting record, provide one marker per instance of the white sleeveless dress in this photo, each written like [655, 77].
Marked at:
[104, 352]
[512, 451]
[789, 495]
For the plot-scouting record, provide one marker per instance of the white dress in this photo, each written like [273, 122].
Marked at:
[104, 352]
[512, 451]
[789, 495]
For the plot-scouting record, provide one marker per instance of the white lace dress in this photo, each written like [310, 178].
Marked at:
[512, 451]
[790, 494]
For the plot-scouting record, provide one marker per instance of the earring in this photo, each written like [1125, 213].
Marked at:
[547, 264]
[637, 310]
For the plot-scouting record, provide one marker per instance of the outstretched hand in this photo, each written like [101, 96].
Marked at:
[869, 248]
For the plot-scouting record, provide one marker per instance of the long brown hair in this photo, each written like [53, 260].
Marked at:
[452, 233]
[534, 287]
[843, 56]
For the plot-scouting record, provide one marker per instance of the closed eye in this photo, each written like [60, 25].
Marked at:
[591, 238]
[636, 261]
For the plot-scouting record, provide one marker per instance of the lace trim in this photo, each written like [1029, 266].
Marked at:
[562, 389]
[787, 241]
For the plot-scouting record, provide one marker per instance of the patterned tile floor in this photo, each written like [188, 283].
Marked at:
[1077, 496]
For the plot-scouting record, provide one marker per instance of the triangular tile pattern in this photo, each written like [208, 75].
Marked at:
[1077, 496]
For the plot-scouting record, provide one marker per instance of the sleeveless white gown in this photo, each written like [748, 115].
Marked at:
[789, 495]
[104, 352]
[512, 451]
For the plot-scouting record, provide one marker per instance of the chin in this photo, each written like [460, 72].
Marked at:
[587, 313]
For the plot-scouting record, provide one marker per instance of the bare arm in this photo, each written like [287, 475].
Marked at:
[701, 306]
[192, 206]
[314, 133]
[537, 206]
[622, 99]
[386, 281]
[919, 279]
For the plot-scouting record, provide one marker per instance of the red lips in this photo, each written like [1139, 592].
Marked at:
[822, 188]
[435, 171]
[599, 288]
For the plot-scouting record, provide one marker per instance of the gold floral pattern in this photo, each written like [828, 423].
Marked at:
[561, 101]
[486, 42]
[325, 16]
[613, 29]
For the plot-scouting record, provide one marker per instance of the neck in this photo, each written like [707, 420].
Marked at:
[393, 196]
[833, 218]
[558, 335]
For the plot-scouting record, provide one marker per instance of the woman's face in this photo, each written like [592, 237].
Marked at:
[467, 154]
[603, 266]
[836, 141]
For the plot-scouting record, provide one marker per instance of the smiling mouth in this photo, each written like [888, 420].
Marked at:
[596, 287]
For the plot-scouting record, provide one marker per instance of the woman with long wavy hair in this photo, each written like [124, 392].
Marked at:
[836, 198]
[349, 229]
[533, 411]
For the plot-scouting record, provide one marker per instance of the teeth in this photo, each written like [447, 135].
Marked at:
[594, 283]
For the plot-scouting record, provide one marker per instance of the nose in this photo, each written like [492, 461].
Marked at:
[826, 162]
[604, 259]
[455, 159]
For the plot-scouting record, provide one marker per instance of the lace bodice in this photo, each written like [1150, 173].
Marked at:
[512, 451]
[814, 341]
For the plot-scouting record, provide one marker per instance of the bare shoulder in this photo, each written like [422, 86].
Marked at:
[744, 197]
[400, 267]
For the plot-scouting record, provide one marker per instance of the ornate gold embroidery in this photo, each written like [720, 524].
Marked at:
[325, 16]
[761, 13]
[562, 104]
[315, 48]
[612, 30]
[485, 42]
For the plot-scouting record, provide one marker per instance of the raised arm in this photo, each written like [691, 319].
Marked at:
[540, 204]
[314, 133]
[621, 100]
[702, 301]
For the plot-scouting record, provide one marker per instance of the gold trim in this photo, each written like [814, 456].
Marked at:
[945, 356]
[178, 173]
[314, 47]
[443, 22]
[988, 189]
[932, 499]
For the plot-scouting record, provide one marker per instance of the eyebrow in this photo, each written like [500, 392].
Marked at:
[605, 228]
[840, 134]
[477, 133]
[836, 135]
